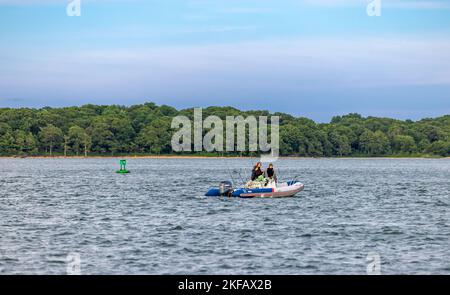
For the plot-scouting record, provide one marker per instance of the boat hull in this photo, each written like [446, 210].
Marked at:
[282, 193]
[286, 190]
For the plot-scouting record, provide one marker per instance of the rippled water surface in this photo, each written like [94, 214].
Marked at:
[156, 220]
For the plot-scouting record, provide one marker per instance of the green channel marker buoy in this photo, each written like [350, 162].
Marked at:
[123, 169]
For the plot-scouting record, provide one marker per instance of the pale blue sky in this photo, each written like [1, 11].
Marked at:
[311, 58]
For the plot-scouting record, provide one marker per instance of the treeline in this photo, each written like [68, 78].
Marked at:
[146, 129]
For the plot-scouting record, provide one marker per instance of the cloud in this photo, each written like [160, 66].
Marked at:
[400, 4]
[216, 29]
[252, 6]
[314, 75]
[418, 4]
[246, 10]
[33, 2]
[351, 62]
[298, 65]
[62, 2]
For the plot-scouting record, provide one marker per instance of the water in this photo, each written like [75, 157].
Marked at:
[156, 221]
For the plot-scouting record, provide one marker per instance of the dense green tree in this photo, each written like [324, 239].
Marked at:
[146, 128]
[155, 138]
[24, 142]
[6, 139]
[148, 140]
[102, 138]
[374, 143]
[51, 136]
[292, 141]
[440, 147]
[404, 144]
[340, 143]
[423, 145]
[79, 140]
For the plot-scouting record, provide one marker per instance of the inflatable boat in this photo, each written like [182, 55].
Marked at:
[257, 190]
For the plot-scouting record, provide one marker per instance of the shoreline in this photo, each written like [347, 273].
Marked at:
[207, 157]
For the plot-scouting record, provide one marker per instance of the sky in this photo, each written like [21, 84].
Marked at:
[311, 58]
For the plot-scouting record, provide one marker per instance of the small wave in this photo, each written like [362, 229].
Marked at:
[442, 203]
[391, 231]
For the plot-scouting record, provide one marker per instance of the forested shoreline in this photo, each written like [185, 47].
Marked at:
[94, 130]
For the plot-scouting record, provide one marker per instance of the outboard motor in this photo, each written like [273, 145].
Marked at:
[225, 187]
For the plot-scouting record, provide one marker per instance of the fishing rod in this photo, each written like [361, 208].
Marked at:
[279, 173]
[231, 174]
[240, 176]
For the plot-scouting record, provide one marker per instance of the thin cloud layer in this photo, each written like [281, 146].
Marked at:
[314, 58]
